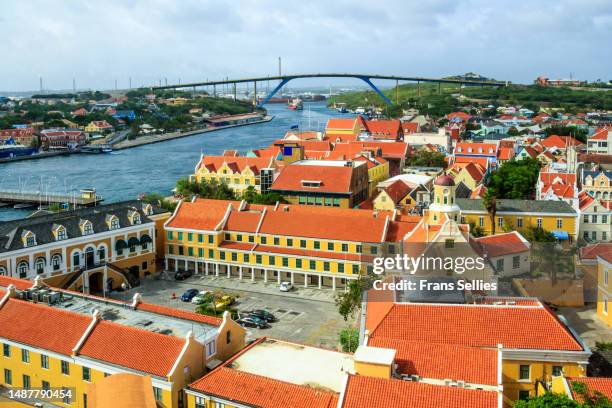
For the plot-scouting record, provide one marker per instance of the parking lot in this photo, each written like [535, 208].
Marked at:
[305, 315]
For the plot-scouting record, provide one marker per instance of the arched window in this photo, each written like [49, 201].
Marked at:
[2, 271]
[39, 265]
[56, 262]
[76, 259]
[90, 257]
[102, 253]
[22, 269]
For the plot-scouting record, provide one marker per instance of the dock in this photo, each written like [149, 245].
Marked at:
[23, 199]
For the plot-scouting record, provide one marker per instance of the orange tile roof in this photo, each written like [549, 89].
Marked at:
[461, 115]
[341, 137]
[340, 123]
[243, 221]
[601, 134]
[367, 392]
[477, 326]
[42, 326]
[20, 284]
[389, 128]
[397, 190]
[443, 361]
[256, 390]
[601, 249]
[333, 179]
[410, 127]
[505, 153]
[179, 313]
[138, 349]
[485, 149]
[502, 244]
[203, 214]
[479, 192]
[594, 384]
[482, 161]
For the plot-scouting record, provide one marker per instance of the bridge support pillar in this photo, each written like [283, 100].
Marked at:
[234, 92]
[255, 93]
[378, 91]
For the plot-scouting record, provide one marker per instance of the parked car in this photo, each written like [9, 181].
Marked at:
[189, 294]
[199, 298]
[285, 286]
[263, 314]
[225, 301]
[182, 275]
[253, 321]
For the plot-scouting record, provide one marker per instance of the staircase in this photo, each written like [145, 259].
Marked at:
[131, 279]
[73, 278]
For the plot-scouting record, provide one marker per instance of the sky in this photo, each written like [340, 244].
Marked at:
[100, 42]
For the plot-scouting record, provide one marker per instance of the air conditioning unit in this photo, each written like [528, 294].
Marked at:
[461, 384]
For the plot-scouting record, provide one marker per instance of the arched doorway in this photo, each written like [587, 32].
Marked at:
[90, 259]
[96, 282]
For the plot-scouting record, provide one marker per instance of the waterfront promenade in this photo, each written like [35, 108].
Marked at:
[150, 139]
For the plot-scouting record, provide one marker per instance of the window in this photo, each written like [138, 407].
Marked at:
[211, 239]
[298, 263]
[500, 222]
[557, 370]
[341, 268]
[211, 253]
[585, 219]
[344, 247]
[181, 250]
[26, 381]
[190, 251]
[523, 394]
[289, 242]
[239, 237]
[200, 402]
[8, 376]
[258, 259]
[6, 350]
[317, 245]
[251, 238]
[68, 395]
[449, 243]
[499, 264]
[271, 260]
[234, 257]
[190, 236]
[200, 238]
[593, 235]
[25, 356]
[516, 262]
[519, 223]
[286, 262]
[462, 219]
[115, 225]
[87, 228]
[302, 243]
[559, 223]
[228, 337]
[157, 393]
[524, 372]
[136, 219]
[65, 367]
[373, 250]
[355, 269]
[22, 269]
[481, 221]
[86, 374]
[326, 266]
[594, 219]
[276, 241]
[44, 361]
[30, 241]
[61, 233]
[358, 249]
[302, 200]
[45, 385]
[264, 240]
[604, 219]
[330, 246]
[336, 202]
[585, 234]
[539, 223]
[604, 235]
[313, 265]
[201, 252]
[170, 249]
[222, 255]
[211, 348]
[180, 236]
[245, 257]
[84, 400]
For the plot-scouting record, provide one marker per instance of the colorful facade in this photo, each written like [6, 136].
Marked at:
[604, 287]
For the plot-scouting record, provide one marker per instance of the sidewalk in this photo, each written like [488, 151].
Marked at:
[269, 288]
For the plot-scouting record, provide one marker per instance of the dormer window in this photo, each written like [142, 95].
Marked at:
[29, 239]
[134, 217]
[60, 233]
[86, 227]
[112, 221]
[469, 150]
[148, 209]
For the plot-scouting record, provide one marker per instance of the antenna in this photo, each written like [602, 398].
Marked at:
[73, 85]
[41, 85]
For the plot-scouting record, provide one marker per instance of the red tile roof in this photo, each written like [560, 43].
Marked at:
[410, 127]
[559, 142]
[384, 128]
[367, 392]
[602, 385]
[601, 134]
[333, 179]
[477, 326]
[237, 164]
[42, 326]
[484, 149]
[138, 349]
[505, 153]
[340, 123]
[461, 115]
[443, 361]
[482, 161]
[502, 244]
[203, 214]
[479, 192]
[388, 149]
[397, 190]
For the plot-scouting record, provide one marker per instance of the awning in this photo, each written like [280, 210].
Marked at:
[145, 239]
[561, 235]
[133, 241]
[120, 245]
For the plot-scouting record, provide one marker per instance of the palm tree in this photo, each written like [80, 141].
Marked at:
[490, 202]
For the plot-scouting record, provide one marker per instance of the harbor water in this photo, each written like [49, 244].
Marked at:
[125, 174]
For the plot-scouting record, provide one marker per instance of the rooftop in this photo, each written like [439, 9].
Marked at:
[526, 206]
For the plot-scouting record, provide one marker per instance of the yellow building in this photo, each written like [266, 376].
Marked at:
[306, 245]
[239, 173]
[378, 170]
[98, 126]
[471, 174]
[89, 249]
[604, 287]
[59, 344]
[557, 217]
[511, 344]
[444, 202]
[344, 129]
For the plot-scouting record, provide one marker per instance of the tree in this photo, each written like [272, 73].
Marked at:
[548, 400]
[426, 158]
[490, 203]
[476, 230]
[516, 179]
[349, 339]
[590, 398]
[350, 301]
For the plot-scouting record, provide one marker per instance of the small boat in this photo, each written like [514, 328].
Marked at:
[96, 149]
[340, 107]
[296, 104]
